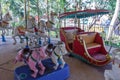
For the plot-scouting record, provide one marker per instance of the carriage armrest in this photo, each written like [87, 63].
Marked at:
[92, 45]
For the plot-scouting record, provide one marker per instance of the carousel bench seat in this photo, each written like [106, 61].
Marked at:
[92, 47]
[70, 34]
[90, 40]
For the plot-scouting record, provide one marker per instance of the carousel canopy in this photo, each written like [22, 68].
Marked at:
[83, 13]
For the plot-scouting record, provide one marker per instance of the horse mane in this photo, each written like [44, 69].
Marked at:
[50, 46]
[26, 50]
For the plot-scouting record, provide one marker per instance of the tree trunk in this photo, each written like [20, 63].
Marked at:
[111, 27]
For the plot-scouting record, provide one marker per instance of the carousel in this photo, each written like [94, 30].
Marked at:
[37, 57]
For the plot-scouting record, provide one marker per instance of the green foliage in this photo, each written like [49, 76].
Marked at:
[17, 6]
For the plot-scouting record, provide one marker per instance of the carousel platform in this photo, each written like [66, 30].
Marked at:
[24, 73]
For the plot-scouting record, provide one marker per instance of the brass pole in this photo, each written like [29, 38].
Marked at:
[47, 11]
[78, 8]
[38, 12]
[1, 10]
[28, 7]
[25, 15]
[26, 22]
[64, 19]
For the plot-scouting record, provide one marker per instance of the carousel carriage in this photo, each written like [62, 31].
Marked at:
[88, 46]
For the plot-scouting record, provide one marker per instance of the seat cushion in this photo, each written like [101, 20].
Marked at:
[99, 56]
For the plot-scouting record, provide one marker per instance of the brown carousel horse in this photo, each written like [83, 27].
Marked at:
[5, 22]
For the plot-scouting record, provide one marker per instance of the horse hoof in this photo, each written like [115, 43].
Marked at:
[61, 66]
[41, 72]
[55, 67]
[34, 75]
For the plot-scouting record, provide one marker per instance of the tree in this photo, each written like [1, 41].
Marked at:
[116, 14]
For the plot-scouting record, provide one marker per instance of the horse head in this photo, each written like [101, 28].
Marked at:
[49, 49]
[7, 17]
[31, 22]
[49, 24]
[61, 47]
[42, 25]
[26, 52]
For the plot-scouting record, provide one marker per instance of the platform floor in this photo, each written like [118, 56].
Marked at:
[78, 69]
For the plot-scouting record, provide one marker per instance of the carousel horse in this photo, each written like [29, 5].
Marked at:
[5, 21]
[47, 26]
[26, 32]
[33, 59]
[56, 52]
[31, 32]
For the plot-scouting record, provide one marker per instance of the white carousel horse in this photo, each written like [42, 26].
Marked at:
[47, 26]
[31, 32]
[33, 59]
[22, 31]
[56, 52]
[113, 74]
[115, 71]
[4, 23]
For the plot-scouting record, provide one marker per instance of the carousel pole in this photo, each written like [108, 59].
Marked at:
[26, 22]
[64, 19]
[38, 12]
[28, 8]
[0, 10]
[78, 8]
[49, 40]
[3, 33]
[47, 11]
[40, 42]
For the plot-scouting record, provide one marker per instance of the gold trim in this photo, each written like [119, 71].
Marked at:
[86, 53]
